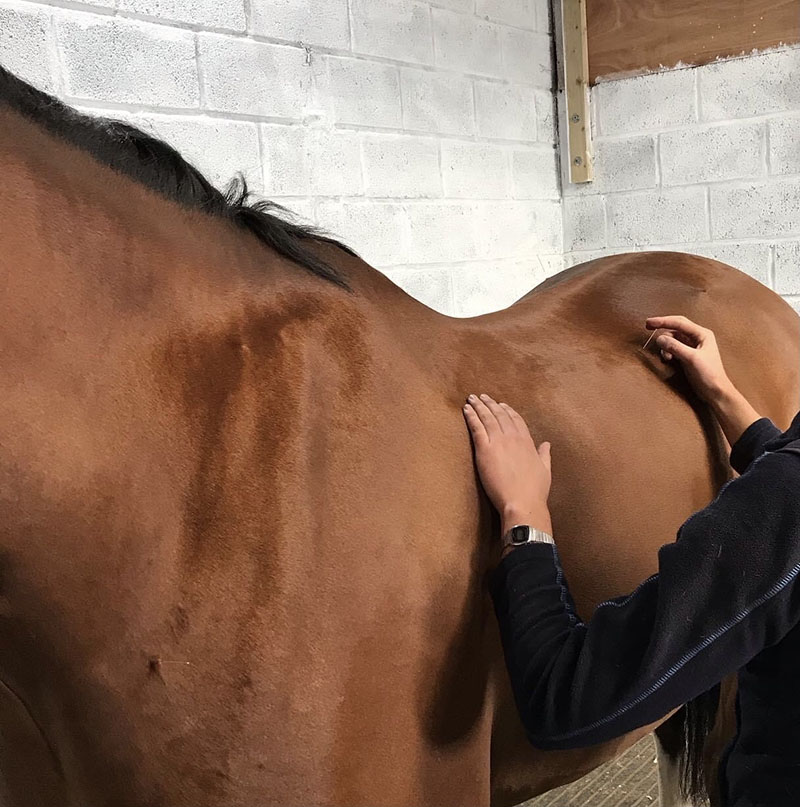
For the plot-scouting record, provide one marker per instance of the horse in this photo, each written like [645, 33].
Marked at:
[243, 547]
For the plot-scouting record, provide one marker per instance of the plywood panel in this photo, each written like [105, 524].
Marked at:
[627, 37]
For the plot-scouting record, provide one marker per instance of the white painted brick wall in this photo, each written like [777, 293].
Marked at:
[437, 102]
[419, 131]
[475, 170]
[703, 160]
[313, 22]
[131, 62]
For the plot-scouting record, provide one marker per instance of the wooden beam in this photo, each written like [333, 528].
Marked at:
[576, 89]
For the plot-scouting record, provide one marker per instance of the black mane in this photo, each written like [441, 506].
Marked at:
[158, 166]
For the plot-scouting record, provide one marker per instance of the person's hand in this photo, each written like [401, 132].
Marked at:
[514, 473]
[696, 349]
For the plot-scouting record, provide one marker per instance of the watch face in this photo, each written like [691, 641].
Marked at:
[520, 534]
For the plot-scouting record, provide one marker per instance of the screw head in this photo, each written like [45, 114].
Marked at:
[576, 118]
[578, 161]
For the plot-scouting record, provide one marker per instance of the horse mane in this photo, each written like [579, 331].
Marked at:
[151, 162]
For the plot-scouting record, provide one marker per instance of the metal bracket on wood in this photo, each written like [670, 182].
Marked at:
[576, 86]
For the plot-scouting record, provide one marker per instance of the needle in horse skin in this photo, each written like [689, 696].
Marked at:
[651, 336]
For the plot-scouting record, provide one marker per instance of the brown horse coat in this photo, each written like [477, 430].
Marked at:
[242, 544]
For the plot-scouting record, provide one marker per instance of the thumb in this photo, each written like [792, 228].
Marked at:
[544, 454]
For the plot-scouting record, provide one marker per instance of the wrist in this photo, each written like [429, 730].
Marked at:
[734, 413]
[723, 395]
[537, 516]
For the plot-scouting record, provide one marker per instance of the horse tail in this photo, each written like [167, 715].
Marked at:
[698, 721]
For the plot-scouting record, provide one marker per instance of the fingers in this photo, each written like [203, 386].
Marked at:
[493, 417]
[674, 347]
[485, 414]
[516, 419]
[680, 324]
[500, 412]
[476, 427]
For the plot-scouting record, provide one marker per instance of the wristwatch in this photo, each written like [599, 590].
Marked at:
[521, 534]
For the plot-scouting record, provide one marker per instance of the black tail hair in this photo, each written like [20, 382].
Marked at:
[699, 716]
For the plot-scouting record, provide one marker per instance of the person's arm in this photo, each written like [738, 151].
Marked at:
[724, 591]
[751, 443]
[736, 415]
[695, 347]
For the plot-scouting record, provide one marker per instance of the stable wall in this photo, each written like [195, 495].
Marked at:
[422, 133]
[703, 160]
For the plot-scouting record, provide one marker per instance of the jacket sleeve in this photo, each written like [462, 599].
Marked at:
[751, 443]
[726, 589]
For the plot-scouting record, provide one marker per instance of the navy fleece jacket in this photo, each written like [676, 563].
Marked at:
[725, 596]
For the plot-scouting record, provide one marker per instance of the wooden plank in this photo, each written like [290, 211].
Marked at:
[628, 37]
[576, 85]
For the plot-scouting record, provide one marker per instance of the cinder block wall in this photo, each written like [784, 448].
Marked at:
[420, 132]
[703, 160]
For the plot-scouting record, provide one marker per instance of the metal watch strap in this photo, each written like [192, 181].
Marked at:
[534, 536]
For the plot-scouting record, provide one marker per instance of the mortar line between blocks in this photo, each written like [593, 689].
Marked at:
[99, 107]
[433, 35]
[766, 145]
[349, 26]
[698, 106]
[474, 109]
[71, 5]
[362, 161]
[772, 250]
[452, 291]
[696, 125]
[754, 181]
[659, 171]
[535, 145]
[682, 246]
[262, 159]
[201, 84]
[57, 64]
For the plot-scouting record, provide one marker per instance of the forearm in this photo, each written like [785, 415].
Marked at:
[733, 412]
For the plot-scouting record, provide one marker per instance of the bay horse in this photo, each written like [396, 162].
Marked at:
[242, 543]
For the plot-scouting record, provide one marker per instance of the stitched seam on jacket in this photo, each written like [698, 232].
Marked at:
[685, 659]
[631, 595]
[573, 617]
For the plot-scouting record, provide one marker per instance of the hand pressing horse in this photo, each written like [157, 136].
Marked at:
[514, 472]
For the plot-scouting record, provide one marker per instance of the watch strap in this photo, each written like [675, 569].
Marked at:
[521, 534]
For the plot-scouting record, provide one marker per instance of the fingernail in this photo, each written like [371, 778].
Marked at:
[484, 395]
[470, 397]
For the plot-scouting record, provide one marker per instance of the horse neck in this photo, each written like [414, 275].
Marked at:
[150, 252]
